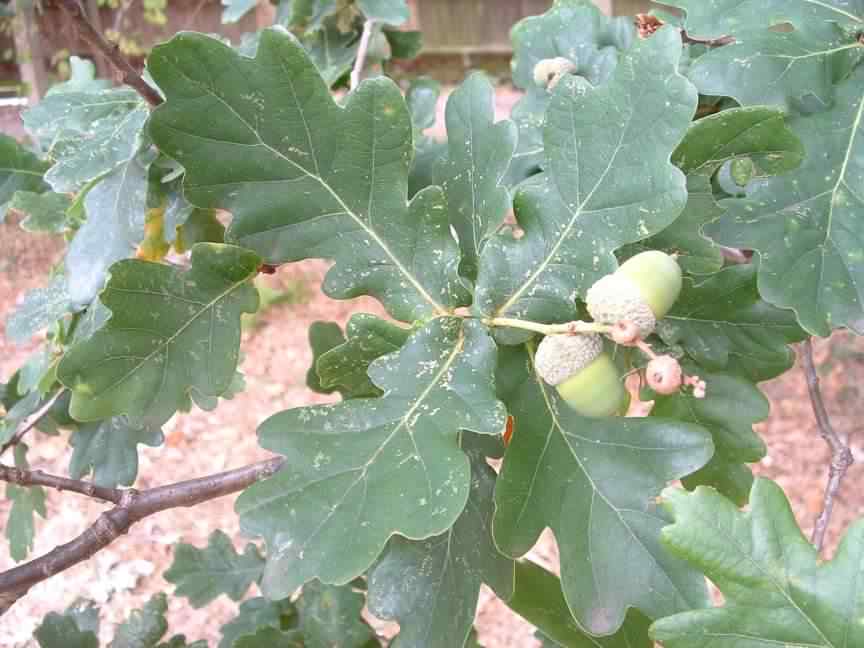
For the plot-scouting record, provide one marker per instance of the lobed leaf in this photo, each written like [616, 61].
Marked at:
[472, 174]
[303, 176]
[171, 332]
[592, 482]
[144, 627]
[202, 575]
[805, 225]
[87, 134]
[365, 469]
[776, 590]
[27, 501]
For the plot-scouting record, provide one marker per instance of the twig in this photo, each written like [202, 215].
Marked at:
[570, 328]
[29, 423]
[362, 51]
[38, 478]
[841, 456]
[132, 507]
[111, 52]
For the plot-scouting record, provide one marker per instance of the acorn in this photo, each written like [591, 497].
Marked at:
[584, 375]
[548, 72]
[641, 290]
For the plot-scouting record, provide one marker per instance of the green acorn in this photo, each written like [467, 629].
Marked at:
[642, 290]
[585, 376]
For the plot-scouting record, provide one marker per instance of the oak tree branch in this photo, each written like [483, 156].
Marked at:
[110, 51]
[133, 506]
[841, 456]
[21, 477]
[29, 423]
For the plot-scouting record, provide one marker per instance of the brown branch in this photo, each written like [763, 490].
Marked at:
[29, 423]
[110, 51]
[132, 507]
[841, 456]
[22, 477]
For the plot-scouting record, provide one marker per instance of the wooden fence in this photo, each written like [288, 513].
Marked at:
[460, 27]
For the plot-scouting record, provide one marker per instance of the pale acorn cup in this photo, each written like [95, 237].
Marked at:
[584, 375]
[641, 290]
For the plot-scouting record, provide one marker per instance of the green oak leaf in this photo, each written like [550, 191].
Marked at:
[330, 616]
[795, 70]
[116, 209]
[431, 586]
[332, 50]
[144, 627]
[283, 156]
[45, 212]
[172, 331]
[539, 599]
[391, 12]
[724, 325]
[806, 225]
[41, 308]
[759, 135]
[592, 481]
[709, 19]
[777, 592]
[363, 470]
[271, 638]
[108, 449]
[404, 45]
[729, 411]
[472, 174]
[234, 10]
[27, 501]
[64, 631]
[201, 575]
[591, 200]
[573, 29]
[323, 336]
[201, 226]
[256, 613]
[20, 170]
[87, 134]
[346, 366]
[422, 99]
[305, 14]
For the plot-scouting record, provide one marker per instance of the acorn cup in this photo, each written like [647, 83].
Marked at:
[584, 375]
[641, 291]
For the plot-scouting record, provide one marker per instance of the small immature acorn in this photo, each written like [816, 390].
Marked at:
[664, 375]
[585, 376]
[641, 290]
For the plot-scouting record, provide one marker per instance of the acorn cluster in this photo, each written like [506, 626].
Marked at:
[629, 303]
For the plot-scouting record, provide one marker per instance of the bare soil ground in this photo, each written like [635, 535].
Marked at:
[277, 355]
